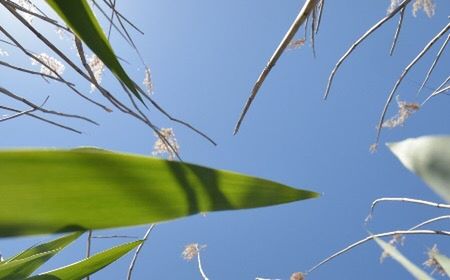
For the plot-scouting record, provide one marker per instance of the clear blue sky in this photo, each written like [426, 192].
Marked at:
[205, 57]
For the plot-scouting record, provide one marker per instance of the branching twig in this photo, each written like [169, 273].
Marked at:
[23, 112]
[38, 108]
[42, 119]
[360, 40]
[397, 31]
[7, 34]
[405, 71]
[138, 250]
[433, 65]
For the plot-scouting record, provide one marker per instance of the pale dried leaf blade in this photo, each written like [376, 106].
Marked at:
[429, 158]
[300, 19]
[407, 264]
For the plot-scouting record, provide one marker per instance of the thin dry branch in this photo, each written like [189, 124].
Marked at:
[301, 18]
[433, 65]
[430, 221]
[39, 108]
[43, 75]
[397, 31]
[119, 15]
[70, 85]
[404, 73]
[23, 112]
[138, 250]
[405, 200]
[360, 40]
[88, 247]
[380, 235]
[40, 16]
[41, 119]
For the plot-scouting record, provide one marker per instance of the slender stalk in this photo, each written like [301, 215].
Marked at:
[407, 200]
[380, 235]
[301, 18]
[88, 247]
[138, 250]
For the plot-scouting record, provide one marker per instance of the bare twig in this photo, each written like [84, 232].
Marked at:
[301, 18]
[397, 31]
[165, 113]
[433, 65]
[119, 15]
[427, 222]
[23, 112]
[39, 108]
[405, 71]
[407, 200]
[440, 87]
[360, 40]
[114, 236]
[138, 250]
[33, 72]
[380, 235]
[7, 34]
[42, 119]
[88, 247]
[40, 16]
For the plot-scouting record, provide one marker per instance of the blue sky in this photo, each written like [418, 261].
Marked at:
[205, 57]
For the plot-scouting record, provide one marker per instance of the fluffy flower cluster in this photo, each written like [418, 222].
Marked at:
[49, 62]
[427, 6]
[433, 263]
[405, 110]
[27, 5]
[191, 251]
[166, 146]
[148, 81]
[3, 53]
[97, 66]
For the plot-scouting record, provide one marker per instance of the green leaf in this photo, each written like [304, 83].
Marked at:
[54, 245]
[444, 262]
[86, 267]
[407, 264]
[429, 158]
[48, 191]
[79, 17]
[43, 253]
[20, 269]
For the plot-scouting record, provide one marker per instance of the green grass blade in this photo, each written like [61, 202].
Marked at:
[20, 269]
[429, 158]
[49, 191]
[444, 262]
[78, 15]
[54, 245]
[89, 266]
[44, 252]
[407, 264]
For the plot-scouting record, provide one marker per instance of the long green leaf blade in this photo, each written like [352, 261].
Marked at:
[61, 191]
[79, 17]
[89, 266]
[54, 245]
[44, 252]
[429, 158]
[20, 269]
[407, 264]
